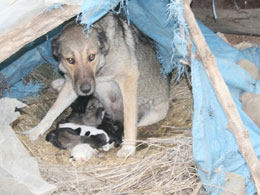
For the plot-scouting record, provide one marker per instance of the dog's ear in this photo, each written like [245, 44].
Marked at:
[103, 42]
[56, 47]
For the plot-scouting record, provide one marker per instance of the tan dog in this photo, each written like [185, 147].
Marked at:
[116, 63]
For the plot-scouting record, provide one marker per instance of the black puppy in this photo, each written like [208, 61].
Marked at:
[86, 110]
[114, 130]
[67, 138]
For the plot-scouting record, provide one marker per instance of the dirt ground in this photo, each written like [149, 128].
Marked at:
[163, 163]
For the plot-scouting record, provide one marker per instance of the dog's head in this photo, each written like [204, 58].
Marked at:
[80, 55]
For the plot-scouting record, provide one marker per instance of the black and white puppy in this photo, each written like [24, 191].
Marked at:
[99, 136]
[69, 135]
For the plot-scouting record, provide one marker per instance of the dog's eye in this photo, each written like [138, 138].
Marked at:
[91, 57]
[70, 60]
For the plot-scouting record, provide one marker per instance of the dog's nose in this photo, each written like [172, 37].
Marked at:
[85, 88]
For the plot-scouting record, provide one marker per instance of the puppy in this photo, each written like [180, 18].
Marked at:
[90, 114]
[82, 152]
[117, 64]
[82, 147]
[67, 138]
[114, 130]
[69, 135]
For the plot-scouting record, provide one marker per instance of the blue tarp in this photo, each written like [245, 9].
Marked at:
[21, 64]
[214, 146]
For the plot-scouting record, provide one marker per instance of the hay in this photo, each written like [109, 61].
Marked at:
[169, 170]
[163, 163]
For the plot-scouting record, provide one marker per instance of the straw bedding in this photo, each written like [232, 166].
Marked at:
[163, 163]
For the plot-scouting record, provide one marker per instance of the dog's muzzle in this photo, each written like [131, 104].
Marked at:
[86, 89]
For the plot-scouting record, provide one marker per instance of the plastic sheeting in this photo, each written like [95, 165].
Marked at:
[18, 12]
[214, 147]
[19, 172]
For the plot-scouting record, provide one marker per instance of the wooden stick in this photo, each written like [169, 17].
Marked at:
[12, 41]
[234, 122]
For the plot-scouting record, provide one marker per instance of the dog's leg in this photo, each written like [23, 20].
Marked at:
[155, 114]
[128, 86]
[66, 96]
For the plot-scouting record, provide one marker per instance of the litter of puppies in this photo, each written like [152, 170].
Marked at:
[82, 139]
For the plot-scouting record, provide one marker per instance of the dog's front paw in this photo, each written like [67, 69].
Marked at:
[126, 150]
[58, 84]
[33, 133]
[82, 153]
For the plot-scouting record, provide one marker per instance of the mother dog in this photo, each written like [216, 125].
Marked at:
[117, 64]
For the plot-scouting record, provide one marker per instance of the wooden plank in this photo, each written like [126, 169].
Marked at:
[12, 41]
[243, 21]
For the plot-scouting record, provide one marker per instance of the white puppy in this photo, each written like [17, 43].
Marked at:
[82, 153]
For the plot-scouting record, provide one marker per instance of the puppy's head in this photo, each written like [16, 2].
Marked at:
[64, 138]
[94, 113]
[80, 55]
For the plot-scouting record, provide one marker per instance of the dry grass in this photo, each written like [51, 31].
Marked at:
[169, 169]
[163, 163]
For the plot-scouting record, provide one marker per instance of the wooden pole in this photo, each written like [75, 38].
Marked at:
[234, 121]
[12, 41]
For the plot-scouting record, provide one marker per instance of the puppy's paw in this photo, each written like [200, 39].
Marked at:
[126, 150]
[107, 147]
[58, 84]
[82, 153]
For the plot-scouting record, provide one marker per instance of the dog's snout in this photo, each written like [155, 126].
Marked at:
[85, 88]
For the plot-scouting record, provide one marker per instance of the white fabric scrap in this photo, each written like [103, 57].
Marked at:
[19, 172]
[19, 12]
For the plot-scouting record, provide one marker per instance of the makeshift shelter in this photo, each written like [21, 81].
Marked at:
[215, 149]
